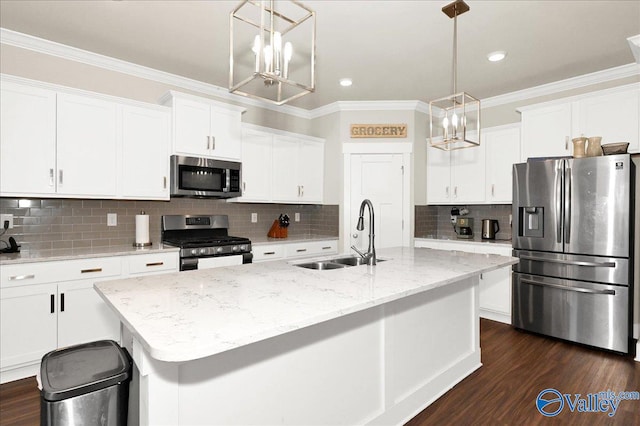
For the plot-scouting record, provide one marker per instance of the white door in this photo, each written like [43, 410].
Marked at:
[311, 171]
[256, 166]
[379, 178]
[286, 186]
[467, 175]
[145, 153]
[87, 146]
[439, 189]
[226, 134]
[546, 131]
[192, 122]
[28, 140]
[502, 152]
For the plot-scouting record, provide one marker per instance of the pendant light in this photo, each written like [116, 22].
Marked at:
[454, 121]
[272, 47]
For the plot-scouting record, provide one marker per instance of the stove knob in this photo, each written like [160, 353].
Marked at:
[203, 251]
[243, 247]
[194, 251]
[219, 250]
[235, 248]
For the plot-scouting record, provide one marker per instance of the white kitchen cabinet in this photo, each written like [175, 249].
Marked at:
[546, 131]
[502, 151]
[613, 114]
[153, 263]
[145, 153]
[292, 250]
[257, 151]
[86, 146]
[205, 128]
[456, 177]
[495, 286]
[281, 167]
[28, 326]
[28, 140]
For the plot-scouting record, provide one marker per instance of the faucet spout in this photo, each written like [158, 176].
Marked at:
[370, 255]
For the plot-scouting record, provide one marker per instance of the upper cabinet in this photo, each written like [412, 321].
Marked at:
[27, 149]
[205, 128]
[613, 114]
[58, 142]
[281, 167]
[502, 147]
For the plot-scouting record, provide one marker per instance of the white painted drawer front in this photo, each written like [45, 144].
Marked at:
[153, 263]
[312, 248]
[86, 269]
[267, 252]
[31, 273]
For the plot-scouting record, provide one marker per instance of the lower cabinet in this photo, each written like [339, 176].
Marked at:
[495, 286]
[49, 305]
[277, 251]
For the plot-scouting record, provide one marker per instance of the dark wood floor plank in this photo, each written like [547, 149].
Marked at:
[516, 367]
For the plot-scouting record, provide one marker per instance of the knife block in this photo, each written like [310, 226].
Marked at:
[277, 231]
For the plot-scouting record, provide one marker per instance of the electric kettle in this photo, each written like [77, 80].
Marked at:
[490, 228]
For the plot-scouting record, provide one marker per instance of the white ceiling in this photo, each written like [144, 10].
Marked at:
[393, 50]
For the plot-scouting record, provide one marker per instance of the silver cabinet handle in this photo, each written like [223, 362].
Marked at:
[298, 190]
[493, 189]
[302, 190]
[301, 250]
[213, 142]
[51, 177]
[570, 262]
[60, 176]
[164, 182]
[326, 248]
[576, 289]
[455, 191]
[208, 142]
[566, 143]
[86, 271]
[244, 186]
[155, 264]
[22, 277]
[266, 253]
[446, 190]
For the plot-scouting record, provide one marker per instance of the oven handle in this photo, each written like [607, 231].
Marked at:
[564, 287]
[188, 263]
[570, 262]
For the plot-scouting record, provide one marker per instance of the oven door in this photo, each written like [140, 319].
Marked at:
[191, 263]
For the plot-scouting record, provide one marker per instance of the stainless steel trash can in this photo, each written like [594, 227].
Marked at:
[86, 384]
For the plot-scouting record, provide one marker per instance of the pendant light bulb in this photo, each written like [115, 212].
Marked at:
[288, 54]
[454, 120]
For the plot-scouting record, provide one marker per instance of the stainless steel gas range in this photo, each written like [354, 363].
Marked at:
[204, 241]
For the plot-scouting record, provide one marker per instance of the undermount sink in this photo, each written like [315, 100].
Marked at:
[335, 263]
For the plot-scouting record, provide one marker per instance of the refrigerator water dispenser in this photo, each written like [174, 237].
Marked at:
[532, 222]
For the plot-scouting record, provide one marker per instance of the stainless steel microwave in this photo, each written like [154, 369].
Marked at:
[204, 177]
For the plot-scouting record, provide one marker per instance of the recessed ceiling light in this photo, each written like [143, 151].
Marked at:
[496, 56]
[346, 82]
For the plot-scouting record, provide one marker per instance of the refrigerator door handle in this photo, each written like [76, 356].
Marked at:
[558, 199]
[575, 289]
[567, 207]
[570, 262]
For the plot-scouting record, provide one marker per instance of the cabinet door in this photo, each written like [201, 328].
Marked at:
[191, 127]
[28, 140]
[226, 134]
[438, 176]
[285, 169]
[27, 323]
[467, 175]
[311, 171]
[546, 132]
[615, 117]
[145, 153]
[495, 292]
[256, 166]
[83, 315]
[502, 151]
[87, 146]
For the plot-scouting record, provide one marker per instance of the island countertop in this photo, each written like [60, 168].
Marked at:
[194, 314]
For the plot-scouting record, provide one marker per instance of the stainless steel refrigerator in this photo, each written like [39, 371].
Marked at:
[573, 232]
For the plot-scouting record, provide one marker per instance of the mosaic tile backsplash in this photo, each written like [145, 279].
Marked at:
[434, 221]
[43, 224]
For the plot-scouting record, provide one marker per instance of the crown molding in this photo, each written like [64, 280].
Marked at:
[63, 51]
[48, 47]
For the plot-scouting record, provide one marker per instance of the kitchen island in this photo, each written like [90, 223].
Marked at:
[275, 343]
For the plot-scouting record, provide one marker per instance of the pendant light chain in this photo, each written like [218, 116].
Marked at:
[455, 52]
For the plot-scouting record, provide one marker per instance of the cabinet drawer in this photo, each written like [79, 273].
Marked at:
[268, 252]
[93, 268]
[153, 263]
[30, 273]
[312, 248]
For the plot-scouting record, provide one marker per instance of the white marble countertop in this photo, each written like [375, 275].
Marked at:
[193, 314]
[30, 256]
[506, 243]
[291, 239]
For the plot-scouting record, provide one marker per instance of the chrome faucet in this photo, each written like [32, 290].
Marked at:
[370, 255]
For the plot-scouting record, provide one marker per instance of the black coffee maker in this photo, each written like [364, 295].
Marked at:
[465, 227]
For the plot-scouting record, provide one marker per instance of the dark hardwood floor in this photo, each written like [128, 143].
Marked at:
[516, 368]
